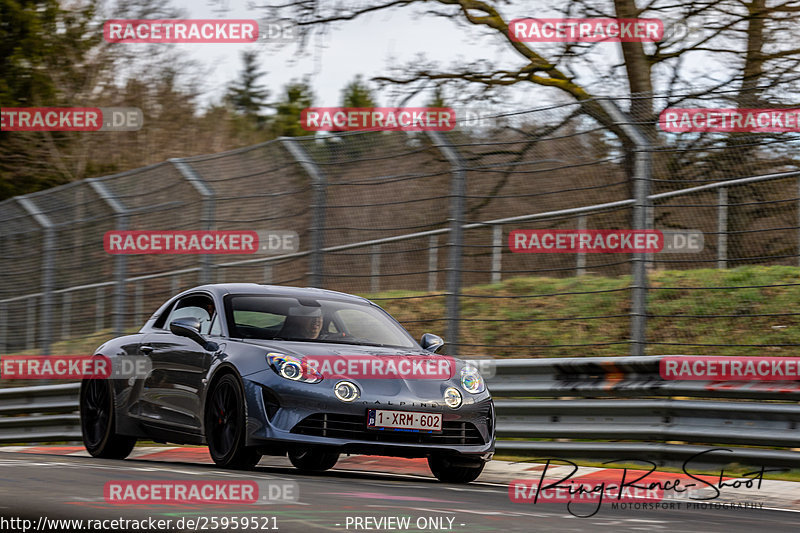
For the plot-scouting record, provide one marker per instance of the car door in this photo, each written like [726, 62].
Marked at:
[170, 395]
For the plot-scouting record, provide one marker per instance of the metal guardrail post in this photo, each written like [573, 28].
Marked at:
[208, 215]
[45, 325]
[456, 234]
[722, 227]
[497, 253]
[642, 176]
[120, 260]
[319, 184]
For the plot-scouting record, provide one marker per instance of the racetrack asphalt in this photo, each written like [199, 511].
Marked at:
[361, 493]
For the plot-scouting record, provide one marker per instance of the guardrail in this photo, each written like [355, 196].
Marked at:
[47, 413]
[587, 407]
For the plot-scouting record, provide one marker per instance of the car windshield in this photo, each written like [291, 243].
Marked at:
[313, 320]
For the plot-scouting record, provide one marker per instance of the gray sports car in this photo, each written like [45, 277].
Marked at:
[254, 370]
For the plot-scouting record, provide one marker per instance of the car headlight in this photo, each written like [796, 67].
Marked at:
[346, 391]
[452, 397]
[293, 368]
[472, 381]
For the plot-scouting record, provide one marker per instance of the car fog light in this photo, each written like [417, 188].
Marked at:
[346, 391]
[452, 398]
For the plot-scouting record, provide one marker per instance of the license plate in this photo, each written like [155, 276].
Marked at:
[404, 420]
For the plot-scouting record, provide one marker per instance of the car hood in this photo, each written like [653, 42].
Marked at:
[325, 348]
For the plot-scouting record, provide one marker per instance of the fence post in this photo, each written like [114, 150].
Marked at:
[456, 234]
[580, 260]
[651, 223]
[375, 268]
[642, 170]
[722, 227]
[120, 260]
[433, 262]
[65, 313]
[318, 182]
[30, 337]
[45, 327]
[100, 301]
[207, 218]
[174, 284]
[138, 293]
[497, 253]
[3, 328]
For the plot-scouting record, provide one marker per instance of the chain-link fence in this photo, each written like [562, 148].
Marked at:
[420, 222]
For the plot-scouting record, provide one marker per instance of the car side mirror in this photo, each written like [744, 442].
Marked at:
[431, 342]
[190, 327]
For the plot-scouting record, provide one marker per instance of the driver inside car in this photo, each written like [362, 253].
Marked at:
[302, 323]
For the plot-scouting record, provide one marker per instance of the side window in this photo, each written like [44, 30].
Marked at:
[199, 306]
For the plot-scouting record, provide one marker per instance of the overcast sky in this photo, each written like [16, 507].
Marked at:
[368, 46]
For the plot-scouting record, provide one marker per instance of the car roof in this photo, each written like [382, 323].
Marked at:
[221, 289]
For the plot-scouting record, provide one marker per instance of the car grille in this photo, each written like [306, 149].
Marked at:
[355, 427]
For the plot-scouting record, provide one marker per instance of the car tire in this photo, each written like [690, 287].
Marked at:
[98, 421]
[312, 459]
[448, 470]
[225, 425]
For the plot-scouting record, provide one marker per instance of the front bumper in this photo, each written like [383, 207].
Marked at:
[282, 414]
